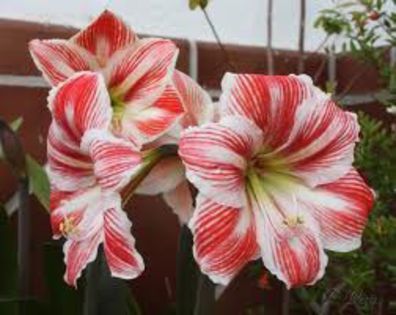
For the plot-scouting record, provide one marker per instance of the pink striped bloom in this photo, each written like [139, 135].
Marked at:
[137, 73]
[275, 180]
[168, 177]
[88, 167]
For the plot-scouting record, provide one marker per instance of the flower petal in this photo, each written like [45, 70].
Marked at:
[68, 169]
[215, 156]
[289, 239]
[139, 75]
[269, 101]
[196, 101]
[224, 239]
[115, 160]
[149, 123]
[342, 210]
[78, 254]
[81, 103]
[321, 144]
[77, 215]
[106, 35]
[164, 177]
[59, 59]
[119, 245]
[78, 104]
[181, 201]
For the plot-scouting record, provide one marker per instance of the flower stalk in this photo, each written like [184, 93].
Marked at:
[151, 159]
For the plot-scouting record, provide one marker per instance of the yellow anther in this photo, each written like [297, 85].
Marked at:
[293, 221]
[67, 227]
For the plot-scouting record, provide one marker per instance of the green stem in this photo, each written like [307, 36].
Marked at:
[153, 157]
[187, 274]
[205, 303]
[105, 294]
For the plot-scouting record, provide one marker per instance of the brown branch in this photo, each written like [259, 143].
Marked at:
[227, 59]
[351, 83]
[270, 53]
[301, 52]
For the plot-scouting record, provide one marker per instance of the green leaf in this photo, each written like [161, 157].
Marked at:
[39, 183]
[187, 274]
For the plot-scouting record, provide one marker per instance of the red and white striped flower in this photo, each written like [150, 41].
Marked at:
[275, 180]
[87, 168]
[137, 73]
[168, 176]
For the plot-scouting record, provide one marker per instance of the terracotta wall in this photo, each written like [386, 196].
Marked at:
[155, 227]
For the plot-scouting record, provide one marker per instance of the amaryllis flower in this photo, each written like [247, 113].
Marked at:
[275, 180]
[88, 167]
[168, 176]
[137, 73]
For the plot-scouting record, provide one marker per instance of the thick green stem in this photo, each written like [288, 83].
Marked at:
[105, 294]
[205, 303]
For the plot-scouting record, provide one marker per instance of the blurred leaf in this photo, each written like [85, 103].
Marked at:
[12, 149]
[39, 183]
[16, 124]
[63, 300]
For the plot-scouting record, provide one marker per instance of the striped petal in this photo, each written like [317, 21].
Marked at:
[269, 101]
[119, 245]
[342, 210]
[289, 239]
[224, 239]
[196, 101]
[77, 215]
[78, 104]
[181, 201]
[106, 35]
[78, 254]
[321, 145]
[164, 177]
[81, 103]
[139, 75]
[151, 122]
[216, 155]
[69, 168]
[59, 59]
[115, 160]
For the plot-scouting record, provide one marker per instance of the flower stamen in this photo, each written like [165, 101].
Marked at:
[67, 227]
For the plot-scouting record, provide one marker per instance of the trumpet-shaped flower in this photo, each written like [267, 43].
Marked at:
[137, 73]
[168, 176]
[275, 180]
[88, 167]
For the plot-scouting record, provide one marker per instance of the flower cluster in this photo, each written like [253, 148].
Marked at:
[272, 161]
